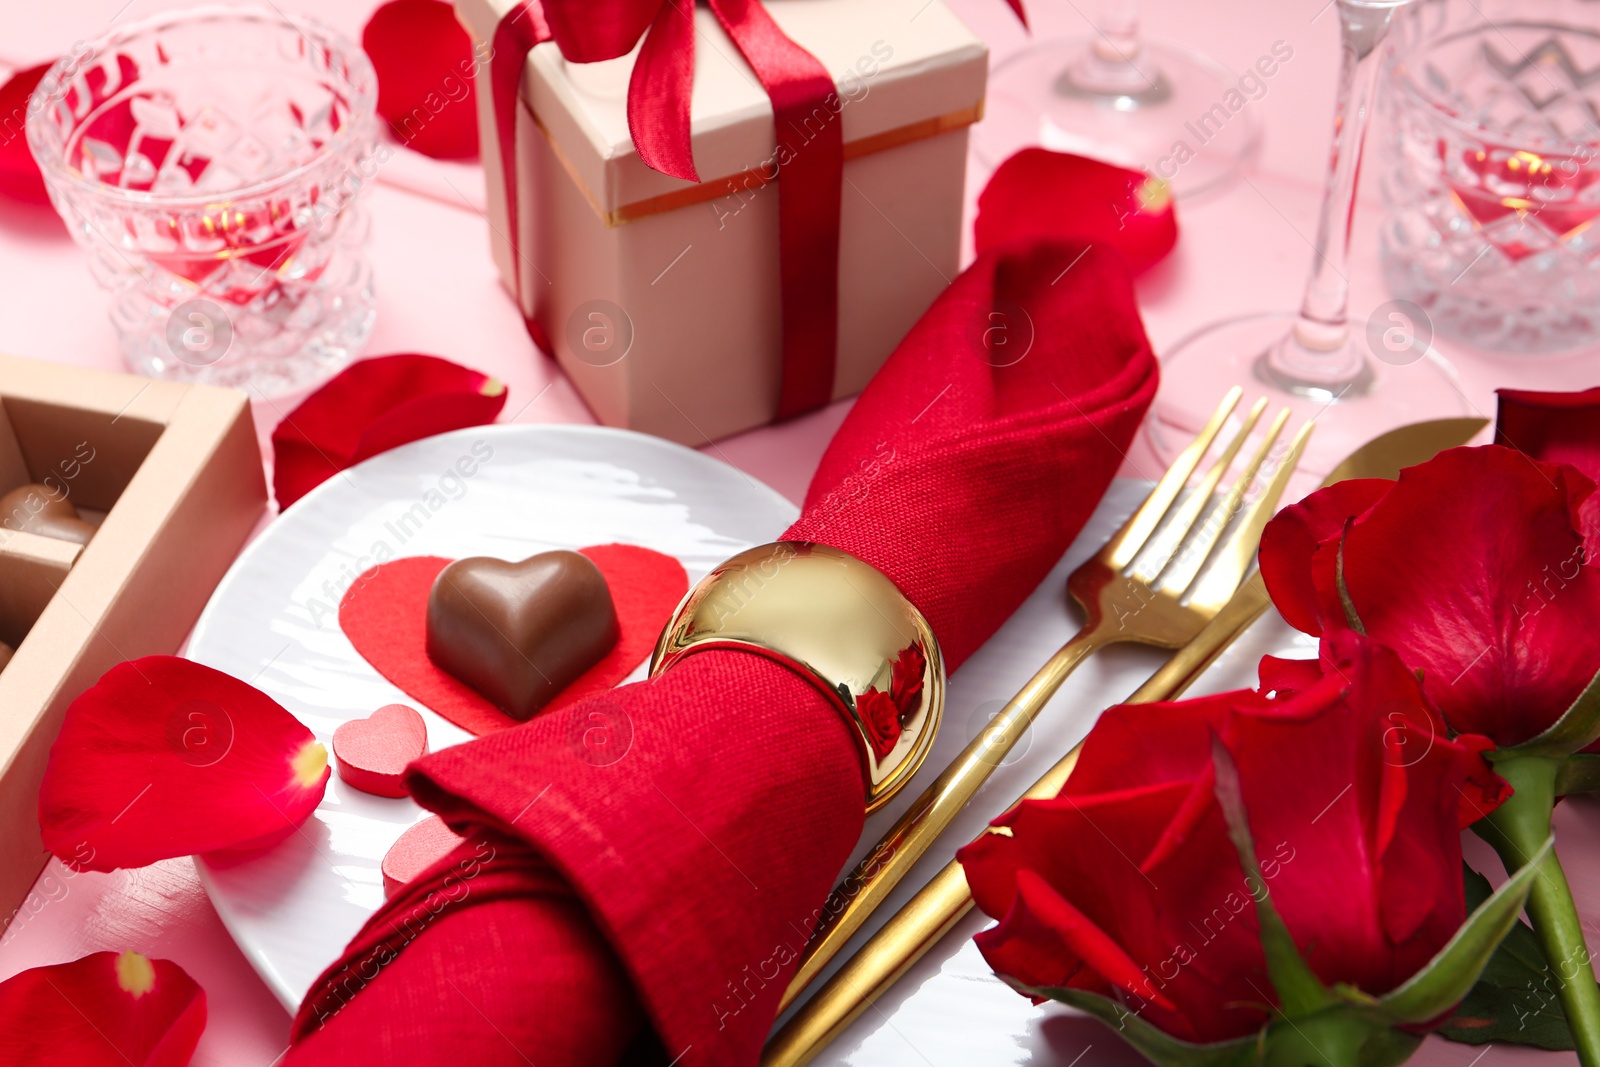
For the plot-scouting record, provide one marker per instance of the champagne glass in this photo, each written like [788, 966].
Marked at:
[1118, 97]
[1356, 383]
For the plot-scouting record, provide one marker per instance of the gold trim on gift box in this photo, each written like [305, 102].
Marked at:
[841, 624]
[750, 180]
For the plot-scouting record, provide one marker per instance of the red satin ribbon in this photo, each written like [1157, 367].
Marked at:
[809, 156]
[522, 28]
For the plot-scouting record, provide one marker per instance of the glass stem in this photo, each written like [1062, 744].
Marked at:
[1118, 39]
[1114, 65]
[1317, 352]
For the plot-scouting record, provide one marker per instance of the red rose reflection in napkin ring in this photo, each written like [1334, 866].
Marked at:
[842, 625]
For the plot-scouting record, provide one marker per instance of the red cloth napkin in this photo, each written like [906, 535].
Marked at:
[652, 909]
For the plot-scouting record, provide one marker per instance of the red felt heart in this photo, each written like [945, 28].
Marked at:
[384, 614]
[373, 752]
[414, 851]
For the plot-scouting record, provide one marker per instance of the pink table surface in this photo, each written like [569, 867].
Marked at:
[1245, 249]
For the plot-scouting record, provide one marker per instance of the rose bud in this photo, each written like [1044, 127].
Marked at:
[1243, 869]
[1476, 567]
[1471, 566]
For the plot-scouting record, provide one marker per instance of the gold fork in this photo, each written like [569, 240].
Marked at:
[1140, 587]
[944, 900]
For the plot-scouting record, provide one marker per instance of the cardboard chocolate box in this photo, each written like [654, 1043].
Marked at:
[168, 477]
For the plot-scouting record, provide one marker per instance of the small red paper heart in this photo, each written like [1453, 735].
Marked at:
[419, 848]
[372, 753]
[384, 614]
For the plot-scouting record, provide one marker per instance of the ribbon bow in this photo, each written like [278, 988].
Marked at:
[663, 77]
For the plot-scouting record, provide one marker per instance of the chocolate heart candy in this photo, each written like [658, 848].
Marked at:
[38, 510]
[6, 652]
[519, 633]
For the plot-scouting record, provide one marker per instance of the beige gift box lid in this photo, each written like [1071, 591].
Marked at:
[904, 69]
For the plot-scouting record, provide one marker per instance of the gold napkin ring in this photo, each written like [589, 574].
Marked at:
[841, 624]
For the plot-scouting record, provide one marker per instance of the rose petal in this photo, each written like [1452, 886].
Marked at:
[1287, 676]
[1133, 818]
[426, 73]
[1040, 193]
[1292, 537]
[19, 174]
[1118, 755]
[108, 1008]
[1044, 941]
[1482, 789]
[372, 406]
[1472, 568]
[1187, 924]
[164, 757]
[1352, 787]
[1555, 427]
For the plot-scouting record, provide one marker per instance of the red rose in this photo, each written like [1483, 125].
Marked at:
[1128, 886]
[1557, 427]
[1472, 566]
[884, 713]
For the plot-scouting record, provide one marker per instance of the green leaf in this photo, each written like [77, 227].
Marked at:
[1342, 1034]
[1515, 1000]
[1154, 1044]
[1450, 975]
[1299, 990]
[1577, 729]
[1579, 773]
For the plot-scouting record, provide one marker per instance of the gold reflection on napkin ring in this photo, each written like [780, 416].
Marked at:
[837, 622]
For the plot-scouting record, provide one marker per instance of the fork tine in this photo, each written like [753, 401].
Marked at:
[1169, 539]
[1197, 548]
[1235, 557]
[1126, 542]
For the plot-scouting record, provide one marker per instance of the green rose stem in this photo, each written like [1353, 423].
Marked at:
[1517, 830]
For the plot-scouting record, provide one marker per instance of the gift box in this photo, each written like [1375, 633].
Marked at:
[660, 297]
[169, 478]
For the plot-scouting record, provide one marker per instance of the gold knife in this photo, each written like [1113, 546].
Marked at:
[940, 904]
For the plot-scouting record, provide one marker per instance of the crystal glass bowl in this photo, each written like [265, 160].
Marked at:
[1493, 176]
[211, 161]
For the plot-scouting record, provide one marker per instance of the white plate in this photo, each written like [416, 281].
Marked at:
[273, 622]
[293, 909]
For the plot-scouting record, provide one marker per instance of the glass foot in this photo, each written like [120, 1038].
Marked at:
[1169, 111]
[1400, 387]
